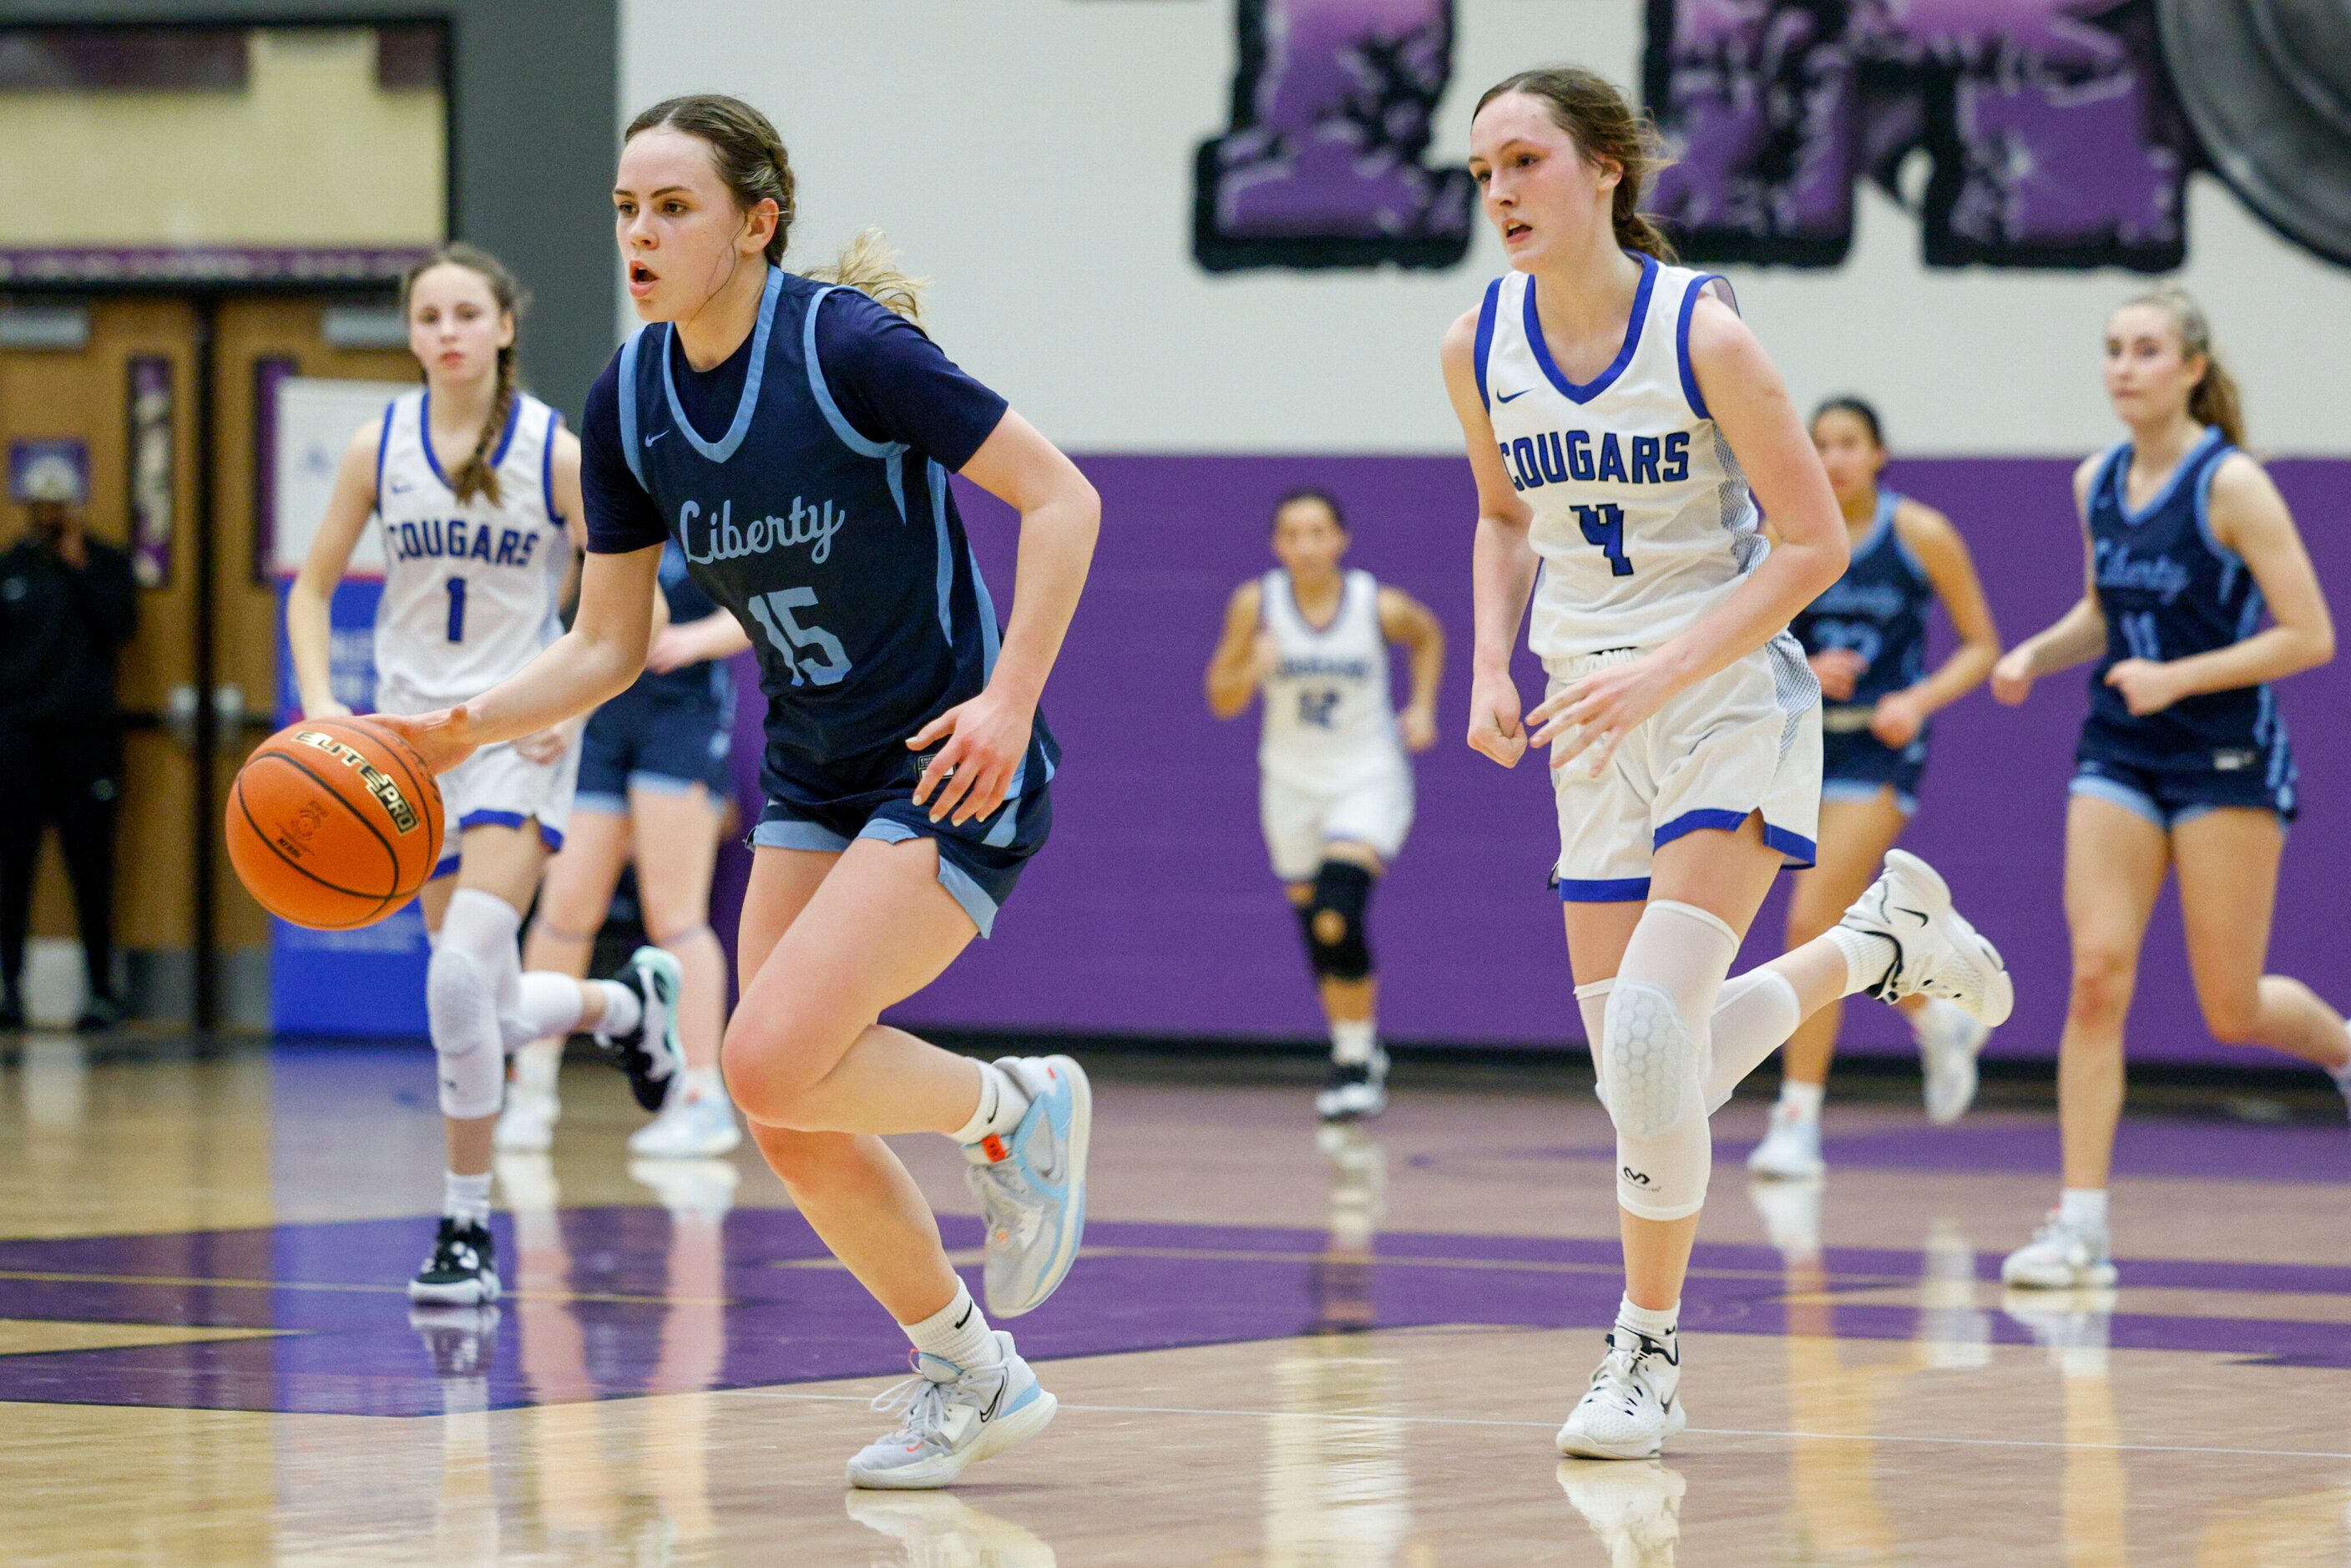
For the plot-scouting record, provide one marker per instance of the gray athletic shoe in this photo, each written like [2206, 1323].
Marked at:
[1031, 1185]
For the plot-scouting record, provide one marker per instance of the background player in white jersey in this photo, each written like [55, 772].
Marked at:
[1335, 791]
[478, 487]
[1615, 408]
[1866, 639]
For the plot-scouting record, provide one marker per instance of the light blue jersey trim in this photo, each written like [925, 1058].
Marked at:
[2170, 484]
[663, 783]
[892, 453]
[629, 448]
[2136, 801]
[596, 800]
[944, 557]
[789, 834]
[953, 877]
[1868, 789]
[748, 403]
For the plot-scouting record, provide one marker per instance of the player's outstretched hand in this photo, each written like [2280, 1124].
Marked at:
[1592, 717]
[550, 745]
[1839, 670]
[437, 737]
[1897, 719]
[2012, 677]
[985, 740]
[1495, 729]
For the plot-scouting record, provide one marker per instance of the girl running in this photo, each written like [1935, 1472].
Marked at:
[1335, 791]
[1866, 639]
[653, 776]
[1615, 410]
[478, 487]
[795, 438]
[2183, 763]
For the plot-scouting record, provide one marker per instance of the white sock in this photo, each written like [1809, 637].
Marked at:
[1867, 956]
[702, 1083]
[623, 1011]
[1351, 1041]
[465, 1198]
[1657, 1325]
[1001, 1106]
[958, 1333]
[1804, 1098]
[2083, 1206]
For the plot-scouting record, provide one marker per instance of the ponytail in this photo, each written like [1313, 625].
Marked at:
[2214, 399]
[1605, 128]
[478, 474]
[869, 264]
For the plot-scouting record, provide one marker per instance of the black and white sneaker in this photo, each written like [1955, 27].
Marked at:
[463, 1270]
[1355, 1089]
[650, 1054]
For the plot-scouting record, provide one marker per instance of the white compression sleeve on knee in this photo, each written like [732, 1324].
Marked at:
[1753, 1017]
[547, 1006]
[1592, 1001]
[471, 959]
[1656, 1049]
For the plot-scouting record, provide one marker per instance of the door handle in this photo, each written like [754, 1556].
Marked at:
[179, 715]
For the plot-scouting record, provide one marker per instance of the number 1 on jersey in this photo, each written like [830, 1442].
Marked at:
[1604, 526]
[457, 610]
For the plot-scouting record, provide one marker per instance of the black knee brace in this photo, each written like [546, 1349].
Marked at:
[1332, 921]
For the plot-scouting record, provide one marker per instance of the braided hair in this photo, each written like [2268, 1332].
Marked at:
[477, 476]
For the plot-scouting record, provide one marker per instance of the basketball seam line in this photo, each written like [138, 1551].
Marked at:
[263, 834]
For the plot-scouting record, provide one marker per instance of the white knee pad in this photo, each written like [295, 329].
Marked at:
[1652, 1074]
[461, 1008]
[1665, 1177]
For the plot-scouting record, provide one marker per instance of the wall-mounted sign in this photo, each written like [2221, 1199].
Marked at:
[150, 402]
[49, 468]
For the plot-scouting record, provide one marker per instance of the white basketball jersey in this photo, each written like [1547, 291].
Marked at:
[471, 588]
[1642, 517]
[1329, 718]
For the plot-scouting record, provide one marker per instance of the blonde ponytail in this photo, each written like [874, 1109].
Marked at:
[869, 264]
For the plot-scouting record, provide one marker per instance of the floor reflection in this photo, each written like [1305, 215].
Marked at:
[1634, 1507]
[938, 1529]
[2075, 1327]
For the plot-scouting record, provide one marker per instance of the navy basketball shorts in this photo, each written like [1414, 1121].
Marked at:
[1855, 765]
[2168, 797]
[826, 808]
[663, 744]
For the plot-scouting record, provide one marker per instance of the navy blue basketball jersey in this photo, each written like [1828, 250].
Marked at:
[1877, 608]
[2170, 590]
[844, 557]
[708, 681]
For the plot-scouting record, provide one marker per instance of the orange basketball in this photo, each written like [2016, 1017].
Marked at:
[334, 824]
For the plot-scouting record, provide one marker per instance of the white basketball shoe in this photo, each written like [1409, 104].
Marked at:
[955, 1417]
[1950, 1040]
[1790, 1149]
[2064, 1255]
[1633, 1404]
[1936, 952]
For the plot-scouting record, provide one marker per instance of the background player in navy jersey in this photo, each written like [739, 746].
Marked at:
[1335, 786]
[796, 438]
[2183, 762]
[653, 776]
[1866, 641]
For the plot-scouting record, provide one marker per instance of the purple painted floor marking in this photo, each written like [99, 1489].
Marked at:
[344, 1342]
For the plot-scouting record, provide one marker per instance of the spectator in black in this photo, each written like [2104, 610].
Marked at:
[68, 605]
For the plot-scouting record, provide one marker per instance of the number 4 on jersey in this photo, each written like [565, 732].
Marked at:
[793, 641]
[1604, 527]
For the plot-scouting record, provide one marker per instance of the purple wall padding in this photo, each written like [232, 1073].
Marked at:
[1152, 911]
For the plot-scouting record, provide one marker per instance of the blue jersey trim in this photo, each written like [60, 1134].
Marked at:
[383, 446]
[745, 405]
[791, 833]
[547, 466]
[1486, 313]
[848, 432]
[954, 878]
[945, 558]
[1699, 820]
[630, 451]
[506, 436]
[1799, 849]
[1681, 340]
[433, 458]
[2186, 465]
[2228, 559]
[1603, 890]
[2138, 802]
[1607, 378]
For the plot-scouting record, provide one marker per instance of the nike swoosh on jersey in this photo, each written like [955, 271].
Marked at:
[656, 435]
[1506, 397]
